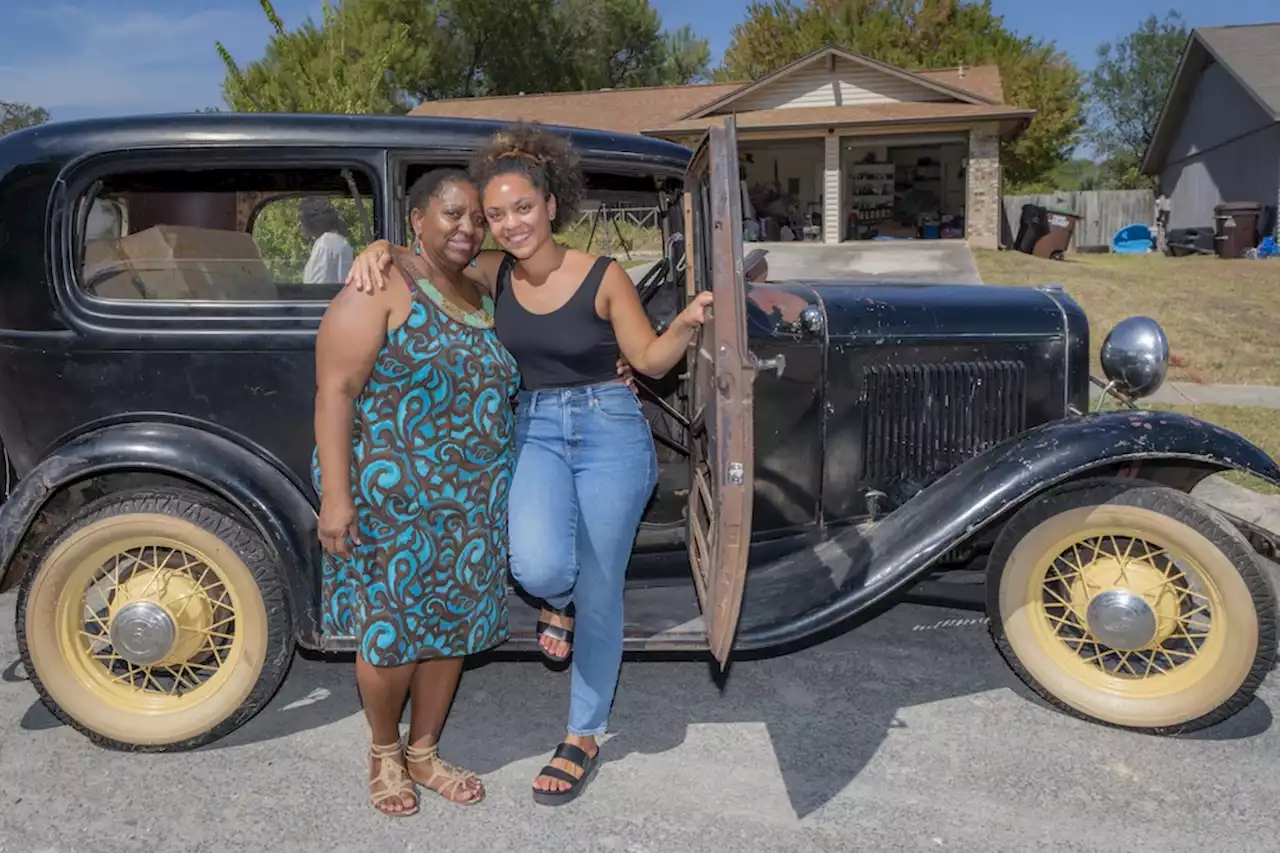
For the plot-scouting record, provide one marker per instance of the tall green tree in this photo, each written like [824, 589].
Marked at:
[386, 55]
[685, 58]
[15, 116]
[331, 68]
[919, 35]
[1127, 91]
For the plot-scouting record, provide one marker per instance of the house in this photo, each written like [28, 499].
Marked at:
[1218, 137]
[834, 139]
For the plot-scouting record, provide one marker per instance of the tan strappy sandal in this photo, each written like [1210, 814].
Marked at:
[392, 781]
[454, 777]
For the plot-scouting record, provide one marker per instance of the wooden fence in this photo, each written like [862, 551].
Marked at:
[1102, 213]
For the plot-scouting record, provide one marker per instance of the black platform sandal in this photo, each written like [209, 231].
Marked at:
[555, 632]
[574, 755]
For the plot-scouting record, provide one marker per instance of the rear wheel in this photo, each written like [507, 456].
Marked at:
[1133, 605]
[157, 621]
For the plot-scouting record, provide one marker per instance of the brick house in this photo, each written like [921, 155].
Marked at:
[835, 138]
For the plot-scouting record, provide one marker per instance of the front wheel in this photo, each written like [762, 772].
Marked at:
[1133, 605]
[157, 621]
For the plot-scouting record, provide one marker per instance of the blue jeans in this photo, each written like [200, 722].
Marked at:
[585, 469]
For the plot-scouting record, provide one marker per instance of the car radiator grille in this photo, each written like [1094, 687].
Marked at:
[922, 420]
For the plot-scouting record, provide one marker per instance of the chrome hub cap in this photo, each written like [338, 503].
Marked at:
[1121, 619]
[143, 632]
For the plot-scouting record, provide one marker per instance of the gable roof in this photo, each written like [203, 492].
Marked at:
[937, 85]
[917, 112]
[636, 110]
[1249, 53]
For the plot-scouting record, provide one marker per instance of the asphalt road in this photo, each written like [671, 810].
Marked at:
[907, 734]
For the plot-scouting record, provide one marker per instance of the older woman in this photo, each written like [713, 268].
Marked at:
[586, 465]
[414, 460]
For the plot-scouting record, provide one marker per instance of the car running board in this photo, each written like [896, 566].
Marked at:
[659, 618]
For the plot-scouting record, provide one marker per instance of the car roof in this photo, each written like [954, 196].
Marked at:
[87, 136]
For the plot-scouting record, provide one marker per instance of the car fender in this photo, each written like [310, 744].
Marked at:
[811, 591]
[275, 506]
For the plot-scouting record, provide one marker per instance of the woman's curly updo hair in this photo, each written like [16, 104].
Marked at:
[546, 159]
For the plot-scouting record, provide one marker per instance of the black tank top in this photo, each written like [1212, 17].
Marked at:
[568, 347]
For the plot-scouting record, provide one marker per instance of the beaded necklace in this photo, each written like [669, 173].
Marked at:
[478, 318]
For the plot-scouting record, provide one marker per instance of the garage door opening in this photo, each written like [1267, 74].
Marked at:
[782, 183]
[904, 189]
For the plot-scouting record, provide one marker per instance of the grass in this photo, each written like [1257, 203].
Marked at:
[1222, 317]
[644, 240]
[645, 243]
[1261, 426]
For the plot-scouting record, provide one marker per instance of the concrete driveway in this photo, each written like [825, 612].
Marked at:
[916, 261]
[905, 734]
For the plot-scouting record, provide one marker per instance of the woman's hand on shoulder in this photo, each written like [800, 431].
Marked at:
[483, 269]
[371, 267]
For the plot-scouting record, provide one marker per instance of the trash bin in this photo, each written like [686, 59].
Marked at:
[1060, 225]
[1031, 227]
[1235, 228]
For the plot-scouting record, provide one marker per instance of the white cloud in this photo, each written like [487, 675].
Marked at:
[133, 60]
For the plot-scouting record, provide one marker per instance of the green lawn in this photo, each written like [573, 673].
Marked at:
[1222, 317]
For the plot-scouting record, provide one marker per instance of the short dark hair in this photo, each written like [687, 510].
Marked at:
[430, 184]
[546, 159]
[317, 215]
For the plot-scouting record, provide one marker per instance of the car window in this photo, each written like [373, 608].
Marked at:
[260, 235]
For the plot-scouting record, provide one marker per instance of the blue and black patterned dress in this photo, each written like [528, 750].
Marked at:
[431, 466]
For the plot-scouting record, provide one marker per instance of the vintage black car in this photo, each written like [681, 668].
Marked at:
[824, 447]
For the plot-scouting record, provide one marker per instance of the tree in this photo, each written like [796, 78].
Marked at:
[15, 116]
[385, 55]
[319, 69]
[685, 58]
[919, 35]
[1127, 91]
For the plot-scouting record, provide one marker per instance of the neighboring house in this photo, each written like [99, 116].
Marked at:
[836, 137]
[1218, 138]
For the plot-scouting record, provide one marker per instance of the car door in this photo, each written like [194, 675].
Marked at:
[721, 373]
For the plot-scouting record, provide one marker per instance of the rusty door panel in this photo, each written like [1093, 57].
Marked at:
[722, 371]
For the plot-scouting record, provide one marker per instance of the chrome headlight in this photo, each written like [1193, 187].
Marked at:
[1135, 356]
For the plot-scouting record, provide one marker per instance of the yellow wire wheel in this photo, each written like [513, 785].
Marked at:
[156, 621]
[1132, 604]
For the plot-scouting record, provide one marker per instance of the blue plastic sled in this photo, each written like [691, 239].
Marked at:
[1134, 239]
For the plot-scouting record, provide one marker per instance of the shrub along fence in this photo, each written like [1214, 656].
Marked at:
[1102, 213]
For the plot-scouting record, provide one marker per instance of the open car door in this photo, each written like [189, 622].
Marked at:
[721, 372]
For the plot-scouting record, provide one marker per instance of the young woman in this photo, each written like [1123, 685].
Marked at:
[414, 460]
[585, 466]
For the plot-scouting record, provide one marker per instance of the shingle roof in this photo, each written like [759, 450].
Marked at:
[1252, 53]
[617, 110]
[634, 110]
[1249, 53]
[982, 80]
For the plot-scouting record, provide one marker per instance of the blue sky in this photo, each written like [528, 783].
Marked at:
[110, 57]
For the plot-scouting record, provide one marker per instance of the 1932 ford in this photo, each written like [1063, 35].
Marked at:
[823, 447]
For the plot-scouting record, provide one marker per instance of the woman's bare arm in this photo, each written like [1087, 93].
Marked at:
[647, 352]
[351, 336]
[371, 268]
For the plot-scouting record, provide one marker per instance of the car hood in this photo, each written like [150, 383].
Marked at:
[915, 311]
